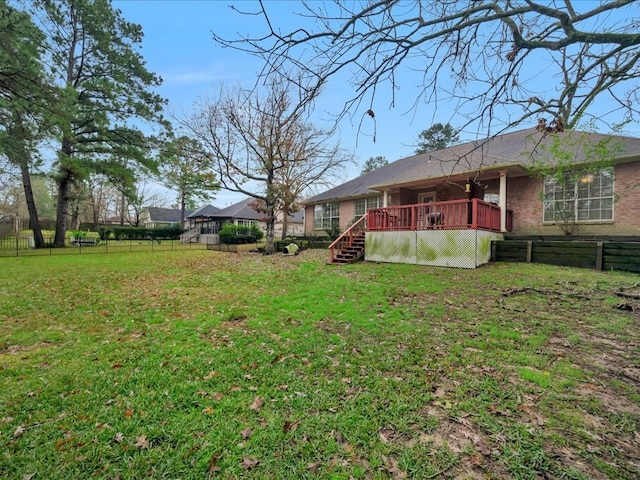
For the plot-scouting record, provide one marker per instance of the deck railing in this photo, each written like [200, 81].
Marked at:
[346, 239]
[455, 214]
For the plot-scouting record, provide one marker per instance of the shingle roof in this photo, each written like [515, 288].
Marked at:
[500, 151]
[166, 215]
[241, 209]
[206, 211]
[245, 211]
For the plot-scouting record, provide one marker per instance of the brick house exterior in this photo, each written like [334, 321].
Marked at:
[496, 170]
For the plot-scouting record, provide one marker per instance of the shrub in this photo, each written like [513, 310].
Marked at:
[104, 233]
[233, 234]
[172, 232]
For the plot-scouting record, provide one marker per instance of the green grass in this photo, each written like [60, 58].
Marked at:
[199, 364]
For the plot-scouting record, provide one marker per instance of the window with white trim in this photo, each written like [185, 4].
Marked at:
[583, 198]
[326, 216]
[364, 204]
[247, 223]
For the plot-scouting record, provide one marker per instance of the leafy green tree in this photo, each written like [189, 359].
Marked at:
[23, 96]
[186, 169]
[374, 163]
[436, 137]
[106, 95]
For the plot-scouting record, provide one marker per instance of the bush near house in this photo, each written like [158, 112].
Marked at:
[171, 232]
[235, 234]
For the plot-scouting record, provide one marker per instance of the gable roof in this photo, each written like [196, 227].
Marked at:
[206, 211]
[507, 151]
[241, 209]
[244, 210]
[166, 215]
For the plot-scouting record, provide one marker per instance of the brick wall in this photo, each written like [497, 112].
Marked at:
[524, 198]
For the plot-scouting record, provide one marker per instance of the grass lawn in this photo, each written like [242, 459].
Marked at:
[197, 365]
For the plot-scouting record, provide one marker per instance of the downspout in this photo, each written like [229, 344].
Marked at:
[503, 201]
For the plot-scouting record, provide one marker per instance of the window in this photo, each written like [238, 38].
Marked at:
[364, 204]
[247, 223]
[580, 198]
[326, 216]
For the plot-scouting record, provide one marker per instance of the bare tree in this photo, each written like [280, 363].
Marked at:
[497, 64]
[264, 147]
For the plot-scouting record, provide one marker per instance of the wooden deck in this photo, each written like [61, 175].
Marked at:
[453, 215]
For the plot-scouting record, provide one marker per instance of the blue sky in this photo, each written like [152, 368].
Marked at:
[178, 46]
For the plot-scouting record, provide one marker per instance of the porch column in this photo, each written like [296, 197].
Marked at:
[503, 201]
[385, 198]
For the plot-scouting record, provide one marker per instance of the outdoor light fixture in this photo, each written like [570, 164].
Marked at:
[588, 178]
[467, 188]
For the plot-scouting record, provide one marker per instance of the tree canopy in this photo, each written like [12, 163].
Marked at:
[436, 137]
[104, 91]
[497, 64]
[373, 163]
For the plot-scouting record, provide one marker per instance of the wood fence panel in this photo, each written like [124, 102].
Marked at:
[608, 255]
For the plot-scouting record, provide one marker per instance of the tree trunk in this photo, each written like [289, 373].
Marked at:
[183, 208]
[75, 215]
[62, 207]
[34, 222]
[285, 220]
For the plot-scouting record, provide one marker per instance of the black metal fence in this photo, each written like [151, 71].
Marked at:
[24, 246]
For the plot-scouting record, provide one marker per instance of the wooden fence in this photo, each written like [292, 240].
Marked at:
[599, 255]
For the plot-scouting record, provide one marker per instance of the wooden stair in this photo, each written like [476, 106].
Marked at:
[349, 247]
[350, 253]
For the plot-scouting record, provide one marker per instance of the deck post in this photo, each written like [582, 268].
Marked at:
[474, 213]
[503, 201]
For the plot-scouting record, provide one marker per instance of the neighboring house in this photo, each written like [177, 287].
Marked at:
[480, 189]
[205, 222]
[152, 217]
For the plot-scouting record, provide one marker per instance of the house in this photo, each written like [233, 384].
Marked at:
[205, 222]
[152, 217]
[445, 207]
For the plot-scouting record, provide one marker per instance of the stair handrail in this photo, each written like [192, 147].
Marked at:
[347, 237]
[189, 234]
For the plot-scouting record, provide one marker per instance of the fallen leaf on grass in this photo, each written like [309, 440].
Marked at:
[249, 463]
[118, 437]
[290, 426]
[246, 433]
[128, 413]
[213, 464]
[28, 476]
[142, 442]
[257, 404]
[18, 432]
[391, 466]
[208, 410]
[313, 467]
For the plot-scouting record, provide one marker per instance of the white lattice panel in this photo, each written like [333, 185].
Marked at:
[442, 248]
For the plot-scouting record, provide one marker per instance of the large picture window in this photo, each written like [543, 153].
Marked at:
[579, 198]
[326, 216]
[364, 204]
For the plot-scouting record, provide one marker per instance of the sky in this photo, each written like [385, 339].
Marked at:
[178, 46]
